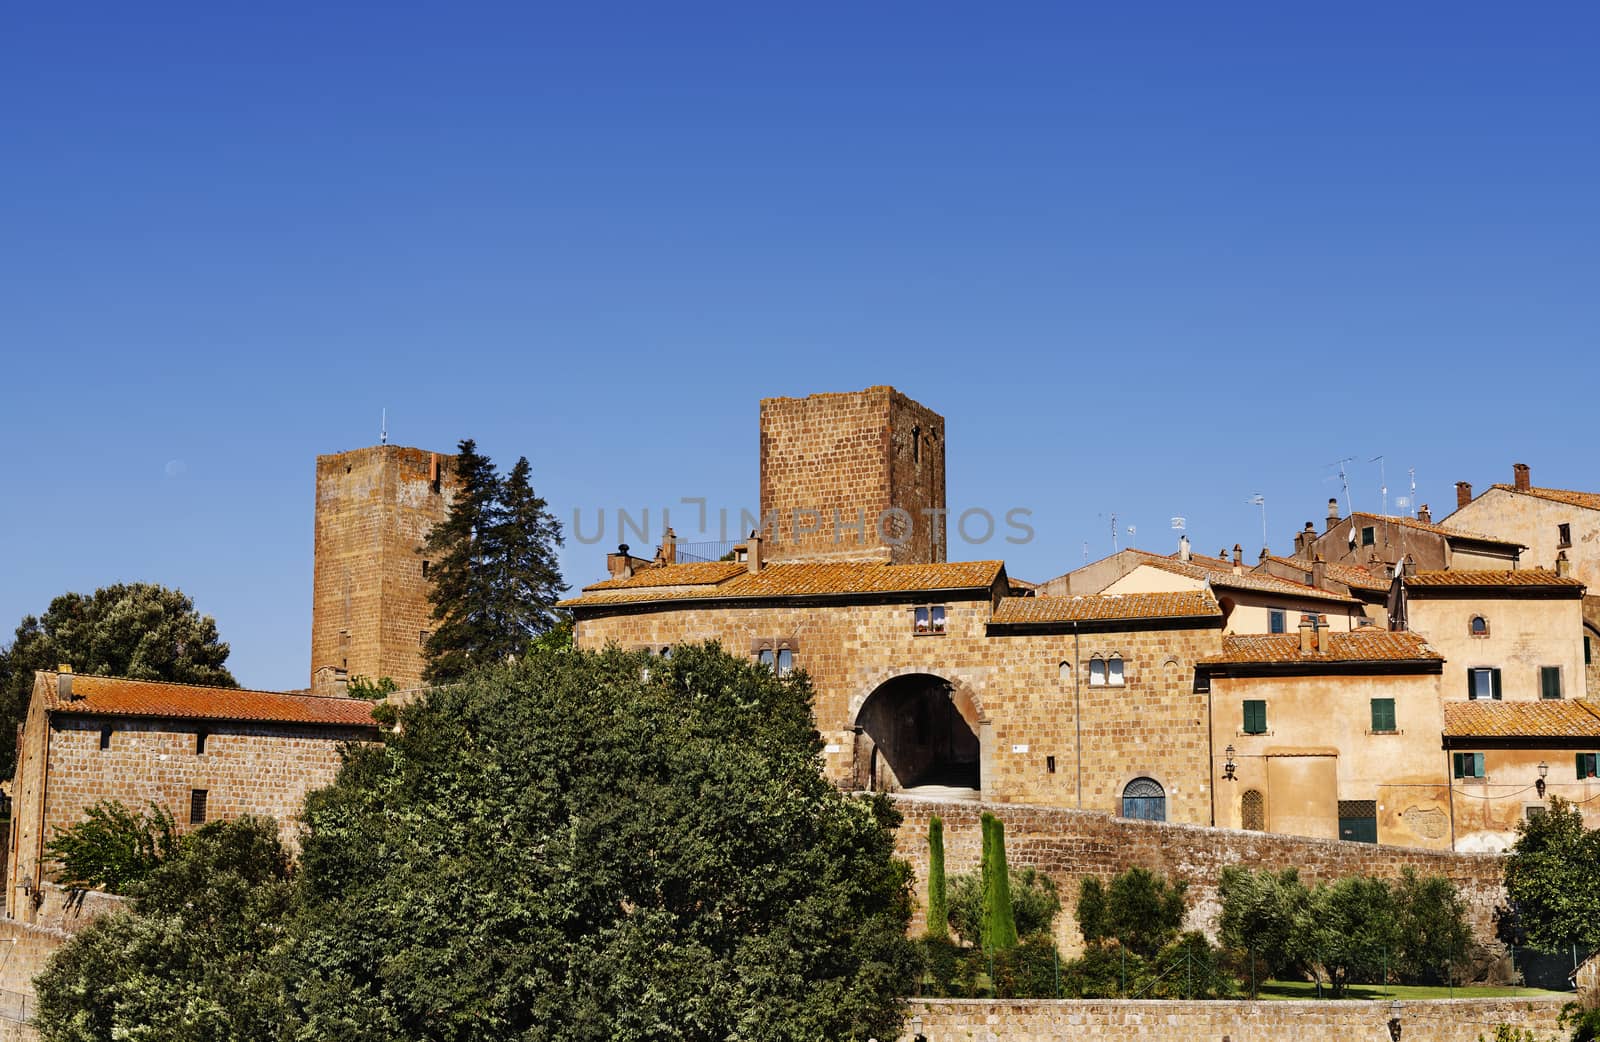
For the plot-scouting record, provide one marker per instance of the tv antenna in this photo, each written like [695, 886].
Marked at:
[1413, 472]
[1383, 483]
[1113, 532]
[1258, 500]
[1133, 535]
[383, 428]
[1344, 479]
[1179, 524]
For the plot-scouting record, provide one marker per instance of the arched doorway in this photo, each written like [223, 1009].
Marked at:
[1144, 798]
[911, 732]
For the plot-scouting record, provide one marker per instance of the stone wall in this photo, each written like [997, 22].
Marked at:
[1046, 1020]
[24, 950]
[369, 606]
[1070, 844]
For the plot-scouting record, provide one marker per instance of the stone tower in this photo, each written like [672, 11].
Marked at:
[852, 477]
[369, 607]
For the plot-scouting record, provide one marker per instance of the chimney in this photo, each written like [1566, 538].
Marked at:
[752, 555]
[1520, 477]
[1308, 631]
[669, 548]
[1563, 566]
[64, 680]
[1333, 513]
[1408, 567]
[1424, 514]
[1262, 556]
[1303, 540]
[1238, 553]
[1322, 635]
[620, 564]
[1463, 494]
[1184, 553]
[1319, 572]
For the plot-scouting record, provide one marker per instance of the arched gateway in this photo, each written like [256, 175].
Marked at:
[916, 730]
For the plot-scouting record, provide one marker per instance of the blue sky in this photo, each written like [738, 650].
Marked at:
[1146, 262]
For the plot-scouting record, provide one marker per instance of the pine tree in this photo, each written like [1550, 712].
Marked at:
[999, 921]
[461, 548]
[938, 913]
[527, 576]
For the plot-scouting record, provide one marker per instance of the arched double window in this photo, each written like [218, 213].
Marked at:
[1097, 671]
[1106, 672]
[1144, 798]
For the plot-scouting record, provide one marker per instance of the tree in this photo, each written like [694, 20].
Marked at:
[1034, 904]
[1551, 879]
[191, 960]
[938, 912]
[1141, 911]
[1348, 929]
[999, 930]
[562, 849]
[1432, 935]
[137, 630]
[113, 847]
[369, 689]
[1259, 912]
[495, 579]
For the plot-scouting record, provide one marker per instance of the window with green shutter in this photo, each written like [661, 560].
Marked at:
[1588, 765]
[1550, 681]
[1467, 765]
[1383, 714]
[1255, 716]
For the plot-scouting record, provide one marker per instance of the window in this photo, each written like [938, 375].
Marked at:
[1114, 671]
[1145, 799]
[1066, 671]
[1255, 716]
[425, 566]
[1479, 627]
[200, 743]
[1588, 765]
[197, 806]
[105, 737]
[1483, 683]
[785, 662]
[1252, 811]
[1549, 681]
[766, 658]
[1586, 653]
[916, 445]
[930, 620]
[1276, 621]
[666, 652]
[1050, 764]
[1358, 821]
[1097, 672]
[1467, 765]
[422, 638]
[1563, 535]
[1369, 535]
[1383, 715]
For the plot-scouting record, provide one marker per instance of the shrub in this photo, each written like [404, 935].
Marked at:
[1028, 971]
[1190, 968]
[1433, 938]
[1140, 911]
[1259, 910]
[113, 847]
[1103, 972]
[1034, 903]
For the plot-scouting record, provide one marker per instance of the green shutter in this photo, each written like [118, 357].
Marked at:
[1455, 764]
[1578, 766]
[1494, 677]
[1550, 681]
[1255, 716]
[1383, 714]
[1472, 691]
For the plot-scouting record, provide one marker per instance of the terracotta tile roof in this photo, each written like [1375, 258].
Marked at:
[1352, 575]
[1469, 579]
[1587, 500]
[1363, 645]
[809, 580]
[693, 573]
[1223, 578]
[1556, 718]
[1107, 606]
[114, 696]
[1436, 529]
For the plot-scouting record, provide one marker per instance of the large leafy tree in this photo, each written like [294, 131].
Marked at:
[1551, 879]
[191, 960]
[600, 846]
[137, 630]
[1348, 928]
[495, 578]
[1141, 911]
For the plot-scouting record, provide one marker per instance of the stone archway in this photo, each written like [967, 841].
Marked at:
[915, 730]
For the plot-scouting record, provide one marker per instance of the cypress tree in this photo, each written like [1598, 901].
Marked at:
[461, 548]
[999, 921]
[938, 913]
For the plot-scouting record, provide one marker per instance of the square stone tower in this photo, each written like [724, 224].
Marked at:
[852, 477]
[369, 607]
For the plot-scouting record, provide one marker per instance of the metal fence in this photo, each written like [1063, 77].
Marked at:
[17, 1006]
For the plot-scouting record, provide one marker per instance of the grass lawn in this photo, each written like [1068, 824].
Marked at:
[1296, 989]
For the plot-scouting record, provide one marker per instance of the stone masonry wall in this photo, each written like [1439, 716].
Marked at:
[1447, 1020]
[1027, 710]
[854, 455]
[369, 608]
[1070, 844]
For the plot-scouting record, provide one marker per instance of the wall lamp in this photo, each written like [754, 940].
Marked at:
[1544, 769]
[1227, 765]
[1395, 1009]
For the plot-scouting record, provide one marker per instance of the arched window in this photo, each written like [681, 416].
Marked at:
[1144, 798]
[1479, 626]
[1066, 672]
[1253, 810]
[666, 652]
[785, 661]
[765, 657]
[1097, 672]
[1114, 671]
